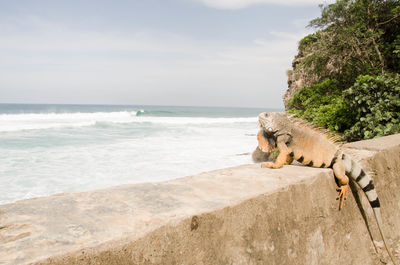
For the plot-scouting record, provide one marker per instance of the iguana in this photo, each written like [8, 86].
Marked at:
[297, 141]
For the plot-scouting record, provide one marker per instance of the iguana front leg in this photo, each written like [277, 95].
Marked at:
[283, 156]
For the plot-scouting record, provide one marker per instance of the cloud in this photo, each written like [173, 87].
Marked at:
[35, 34]
[46, 38]
[52, 63]
[237, 4]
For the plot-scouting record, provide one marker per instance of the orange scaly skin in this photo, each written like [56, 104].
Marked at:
[302, 144]
[296, 140]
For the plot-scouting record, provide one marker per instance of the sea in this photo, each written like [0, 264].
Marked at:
[49, 149]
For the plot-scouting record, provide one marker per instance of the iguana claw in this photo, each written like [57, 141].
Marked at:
[342, 194]
[267, 164]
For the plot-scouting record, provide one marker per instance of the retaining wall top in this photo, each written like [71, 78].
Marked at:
[37, 229]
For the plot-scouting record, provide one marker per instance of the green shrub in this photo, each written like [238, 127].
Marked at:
[333, 116]
[374, 103]
[321, 104]
[312, 97]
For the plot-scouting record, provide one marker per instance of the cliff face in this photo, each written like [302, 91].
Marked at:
[240, 215]
[297, 78]
[295, 82]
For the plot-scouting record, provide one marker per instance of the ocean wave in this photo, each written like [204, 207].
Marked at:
[157, 113]
[33, 121]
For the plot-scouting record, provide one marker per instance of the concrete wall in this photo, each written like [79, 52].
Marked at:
[241, 215]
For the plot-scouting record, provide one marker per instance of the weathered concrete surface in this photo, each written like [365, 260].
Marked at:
[241, 215]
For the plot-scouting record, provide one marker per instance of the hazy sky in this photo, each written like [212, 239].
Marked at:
[153, 52]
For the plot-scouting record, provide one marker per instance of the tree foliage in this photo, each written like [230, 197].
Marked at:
[349, 65]
[374, 103]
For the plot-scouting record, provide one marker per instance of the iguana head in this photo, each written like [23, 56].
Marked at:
[271, 124]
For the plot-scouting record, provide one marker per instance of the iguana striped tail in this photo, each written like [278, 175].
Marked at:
[364, 180]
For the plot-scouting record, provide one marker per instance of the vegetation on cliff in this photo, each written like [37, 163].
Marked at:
[350, 69]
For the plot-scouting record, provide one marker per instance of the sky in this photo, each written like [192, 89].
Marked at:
[150, 52]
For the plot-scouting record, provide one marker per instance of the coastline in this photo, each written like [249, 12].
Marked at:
[50, 149]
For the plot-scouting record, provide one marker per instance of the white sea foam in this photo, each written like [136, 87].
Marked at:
[38, 164]
[54, 152]
[19, 122]
[33, 121]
